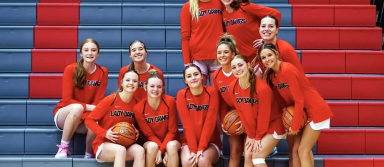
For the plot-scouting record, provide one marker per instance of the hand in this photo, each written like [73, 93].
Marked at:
[257, 146]
[226, 132]
[112, 136]
[239, 130]
[137, 133]
[291, 132]
[185, 65]
[165, 159]
[158, 158]
[199, 154]
[257, 43]
[192, 160]
[89, 107]
[249, 144]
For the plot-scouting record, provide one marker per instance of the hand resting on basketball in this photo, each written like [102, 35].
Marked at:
[239, 130]
[112, 136]
[137, 133]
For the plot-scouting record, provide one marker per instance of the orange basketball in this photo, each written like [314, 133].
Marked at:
[230, 119]
[288, 114]
[127, 133]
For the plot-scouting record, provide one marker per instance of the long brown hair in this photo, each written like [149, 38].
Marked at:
[80, 73]
[237, 3]
[268, 72]
[251, 78]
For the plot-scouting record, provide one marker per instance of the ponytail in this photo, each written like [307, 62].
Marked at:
[252, 80]
[79, 75]
[267, 77]
[194, 9]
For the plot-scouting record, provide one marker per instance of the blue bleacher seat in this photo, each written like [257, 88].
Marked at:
[11, 140]
[13, 112]
[176, 82]
[19, 1]
[156, 57]
[18, 14]
[47, 161]
[102, 1]
[155, 1]
[15, 60]
[81, 162]
[299, 54]
[152, 36]
[14, 85]
[286, 12]
[11, 161]
[40, 111]
[107, 36]
[288, 34]
[143, 14]
[112, 83]
[175, 61]
[172, 13]
[109, 58]
[15, 37]
[100, 14]
[43, 140]
[173, 37]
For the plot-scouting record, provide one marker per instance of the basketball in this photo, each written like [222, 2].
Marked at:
[127, 133]
[230, 119]
[287, 117]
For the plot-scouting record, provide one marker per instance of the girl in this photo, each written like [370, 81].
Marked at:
[201, 26]
[115, 108]
[294, 89]
[258, 111]
[198, 108]
[268, 32]
[241, 19]
[84, 86]
[138, 53]
[157, 119]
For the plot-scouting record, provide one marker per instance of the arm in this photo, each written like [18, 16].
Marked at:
[261, 11]
[68, 87]
[97, 114]
[264, 111]
[172, 125]
[143, 125]
[100, 94]
[185, 26]
[210, 120]
[186, 121]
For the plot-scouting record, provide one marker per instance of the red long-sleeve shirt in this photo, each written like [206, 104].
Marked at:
[244, 25]
[221, 82]
[199, 38]
[108, 113]
[92, 93]
[256, 118]
[294, 87]
[140, 93]
[198, 115]
[159, 125]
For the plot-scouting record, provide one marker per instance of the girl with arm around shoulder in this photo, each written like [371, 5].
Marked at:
[84, 86]
[157, 119]
[114, 109]
[198, 107]
[258, 111]
[295, 90]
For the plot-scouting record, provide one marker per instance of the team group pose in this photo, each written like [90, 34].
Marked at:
[232, 44]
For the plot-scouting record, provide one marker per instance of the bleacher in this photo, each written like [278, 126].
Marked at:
[337, 42]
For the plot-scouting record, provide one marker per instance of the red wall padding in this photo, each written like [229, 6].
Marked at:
[317, 38]
[360, 38]
[364, 62]
[60, 1]
[341, 141]
[332, 87]
[368, 87]
[374, 144]
[52, 60]
[355, 15]
[378, 162]
[313, 15]
[371, 114]
[357, 2]
[308, 1]
[55, 37]
[348, 162]
[344, 113]
[318, 61]
[45, 86]
[58, 14]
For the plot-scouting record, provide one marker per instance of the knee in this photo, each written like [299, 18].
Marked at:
[204, 162]
[120, 151]
[185, 162]
[172, 148]
[76, 111]
[152, 148]
[302, 151]
[139, 153]
[236, 152]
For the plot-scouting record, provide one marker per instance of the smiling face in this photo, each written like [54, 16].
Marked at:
[138, 53]
[268, 58]
[154, 87]
[89, 52]
[239, 67]
[224, 54]
[130, 82]
[192, 77]
[268, 28]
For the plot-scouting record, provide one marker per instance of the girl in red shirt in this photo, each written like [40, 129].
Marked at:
[115, 108]
[198, 107]
[201, 26]
[157, 119]
[84, 86]
[242, 20]
[268, 31]
[258, 111]
[294, 89]
[138, 53]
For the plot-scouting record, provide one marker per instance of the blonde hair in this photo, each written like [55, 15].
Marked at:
[194, 9]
